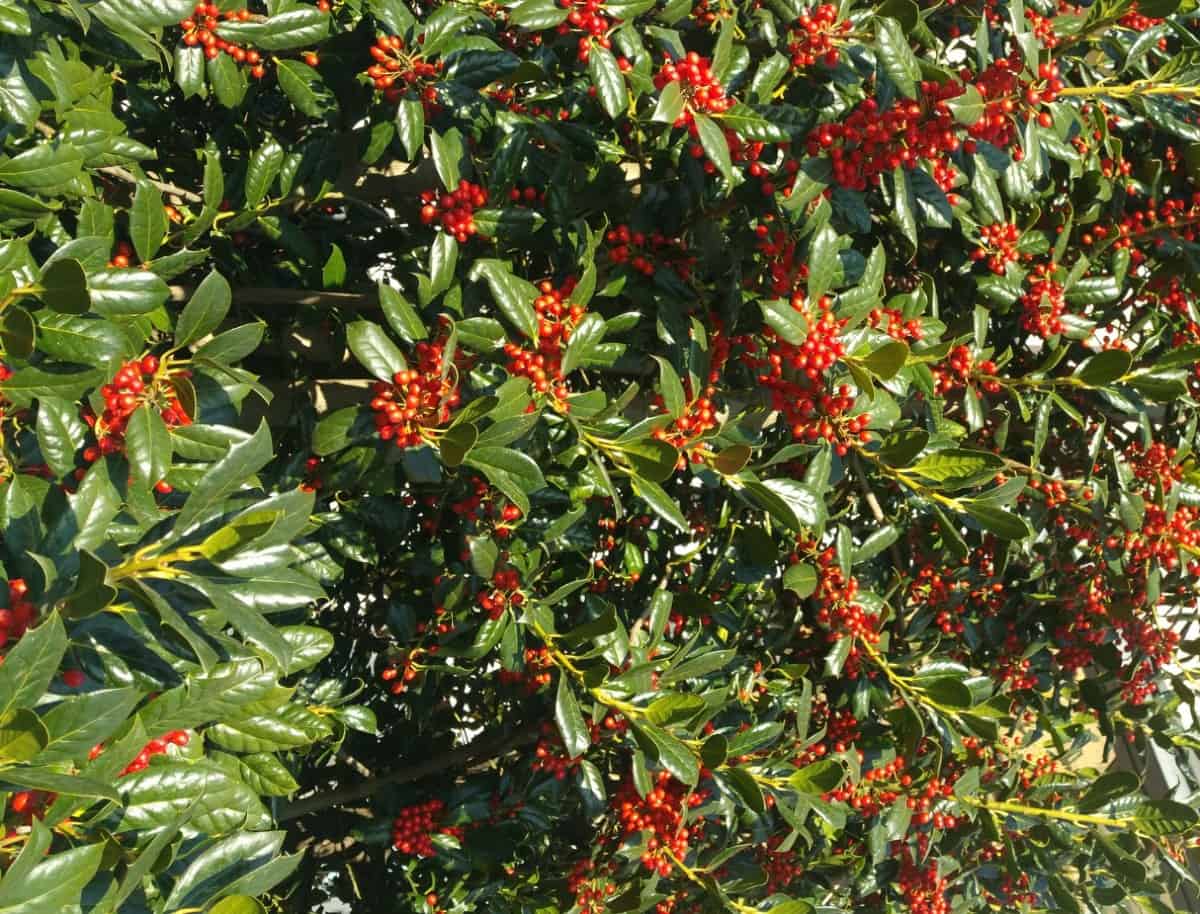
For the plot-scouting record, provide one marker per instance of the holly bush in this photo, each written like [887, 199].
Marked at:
[598, 456]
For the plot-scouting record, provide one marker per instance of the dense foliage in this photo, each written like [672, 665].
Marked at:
[597, 455]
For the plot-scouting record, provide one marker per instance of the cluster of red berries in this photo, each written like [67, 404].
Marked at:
[1162, 536]
[397, 70]
[1043, 305]
[1168, 293]
[537, 673]
[414, 827]
[794, 374]
[835, 596]
[645, 253]
[895, 325]
[417, 400]
[505, 591]
[591, 885]
[782, 867]
[661, 813]
[814, 37]
[137, 383]
[822, 347]
[402, 673]
[841, 732]
[20, 613]
[999, 247]
[923, 889]
[123, 257]
[526, 196]
[1138, 21]
[312, 475]
[1005, 94]
[454, 210]
[550, 754]
[1154, 465]
[1043, 29]
[557, 319]
[701, 90]
[30, 804]
[699, 417]
[869, 142]
[201, 31]
[156, 746]
[586, 16]
[958, 369]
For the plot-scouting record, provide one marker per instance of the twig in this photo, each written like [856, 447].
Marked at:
[462, 757]
[252, 295]
[166, 187]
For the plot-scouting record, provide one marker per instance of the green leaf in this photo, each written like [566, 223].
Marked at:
[514, 473]
[674, 709]
[189, 70]
[54, 883]
[30, 666]
[305, 88]
[295, 28]
[1111, 785]
[64, 287]
[836, 659]
[570, 721]
[410, 125]
[1164, 817]
[805, 505]
[225, 476]
[228, 80]
[886, 361]
[238, 904]
[60, 433]
[80, 722]
[443, 257]
[447, 150]
[588, 333]
[123, 293]
[148, 445]
[147, 221]
[670, 104]
[374, 350]
[514, 296]
[537, 15]
[671, 388]
[874, 544]
[456, 443]
[261, 172]
[948, 691]
[967, 109]
[818, 778]
[606, 77]
[660, 503]
[785, 320]
[955, 464]
[1004, 524]
[801, 578]
[673, 755]
[22, 736]
[52, 781]
[824, 264]
[43, 167]
[218, 802]
[401, 315]
[896, 57]
[716, 147]
[205, 310]
[746, 787]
